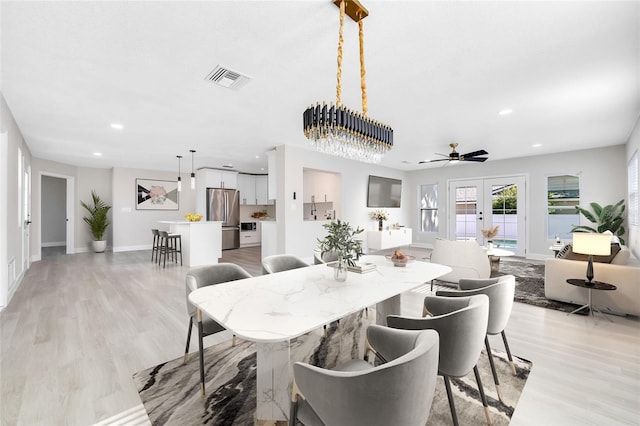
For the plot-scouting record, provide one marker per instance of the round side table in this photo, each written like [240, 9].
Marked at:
[593, 285]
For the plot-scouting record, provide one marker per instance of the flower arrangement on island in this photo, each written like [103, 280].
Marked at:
[489, 233]
[193, 217]
[380, 215]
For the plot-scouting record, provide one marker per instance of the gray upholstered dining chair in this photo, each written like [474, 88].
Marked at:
[319, 258]
[281, 262]
[399, 391]
[461, 323]
[203, 276]
[500, 291]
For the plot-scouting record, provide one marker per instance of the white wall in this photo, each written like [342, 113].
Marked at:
[131, 227]
[602, 179]
[633, 146]
[297, 237]
[54, 214]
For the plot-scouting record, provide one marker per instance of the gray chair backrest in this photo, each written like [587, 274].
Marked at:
[203, 276]
[330, 256]
[281, 262]
[500, 291]
[461, 323]
[398, 392]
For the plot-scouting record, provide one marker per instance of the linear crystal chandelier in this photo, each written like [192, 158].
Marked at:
[338, 130]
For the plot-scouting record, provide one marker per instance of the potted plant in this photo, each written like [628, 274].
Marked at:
[489, 234]
[342, 241]
[97, 220]
[607, 218]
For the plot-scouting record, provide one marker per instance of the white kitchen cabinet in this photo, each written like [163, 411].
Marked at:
[214, 178]
[253, 189]
[247, 188]
[249, 238]
[262, 190]
[320, 187]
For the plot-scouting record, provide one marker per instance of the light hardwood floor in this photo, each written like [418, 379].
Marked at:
[80, 325]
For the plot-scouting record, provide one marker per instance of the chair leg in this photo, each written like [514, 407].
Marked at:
[235, 340]
[493, 368]
[154, 246]
[166, 251]
[186, 349]
[506, 346]
[201, 350]
[452, 405]
[432, 286]
[482, 395]
[293, 413]
[180, 251]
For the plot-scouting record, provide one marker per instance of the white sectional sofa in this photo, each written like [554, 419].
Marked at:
[623, 272]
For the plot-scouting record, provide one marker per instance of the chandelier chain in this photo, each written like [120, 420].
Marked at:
[363, 72]
[340, 43]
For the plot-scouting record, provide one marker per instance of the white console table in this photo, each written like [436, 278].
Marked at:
[380, 240]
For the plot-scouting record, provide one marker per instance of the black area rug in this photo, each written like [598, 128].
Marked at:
[530, 285]
[170, 391]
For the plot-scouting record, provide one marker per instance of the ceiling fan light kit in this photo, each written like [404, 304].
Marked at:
[338, 130]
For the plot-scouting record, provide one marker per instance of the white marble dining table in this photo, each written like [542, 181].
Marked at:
[273, 309]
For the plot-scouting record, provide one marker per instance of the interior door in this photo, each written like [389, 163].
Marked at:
[476, 204]
[26, 199]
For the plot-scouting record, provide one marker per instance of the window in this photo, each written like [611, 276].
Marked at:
[429, 208]
[563, 194]
[633, 190]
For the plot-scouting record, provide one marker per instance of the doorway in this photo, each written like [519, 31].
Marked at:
[477, 204]
[56, 213]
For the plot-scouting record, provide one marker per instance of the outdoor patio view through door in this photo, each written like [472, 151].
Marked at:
[477, 204]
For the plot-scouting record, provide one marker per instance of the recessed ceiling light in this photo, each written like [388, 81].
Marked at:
[257, 156]
[97, 154]
[262, 169]
[117, 126]
[405, 162]
[228, 166]
[505, 111]
[536, 145]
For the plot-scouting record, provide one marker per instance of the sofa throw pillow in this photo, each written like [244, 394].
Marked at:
[567, 253]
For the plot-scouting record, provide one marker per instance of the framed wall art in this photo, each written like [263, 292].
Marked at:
[155, 194]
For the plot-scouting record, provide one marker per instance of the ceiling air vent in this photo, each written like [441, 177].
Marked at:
[228, 78]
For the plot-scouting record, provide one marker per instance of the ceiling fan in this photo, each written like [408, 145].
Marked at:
[454, 156]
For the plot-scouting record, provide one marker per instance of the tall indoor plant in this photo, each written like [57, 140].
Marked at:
[607, 218]
[97, 220]
[341, 240]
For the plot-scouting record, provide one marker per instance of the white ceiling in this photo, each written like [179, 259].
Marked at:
[437, 72]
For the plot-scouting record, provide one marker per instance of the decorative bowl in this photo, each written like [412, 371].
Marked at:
[401, 262]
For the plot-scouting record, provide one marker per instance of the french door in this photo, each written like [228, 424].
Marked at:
[477, 204]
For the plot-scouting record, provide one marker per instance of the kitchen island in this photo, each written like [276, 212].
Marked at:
[201, 241]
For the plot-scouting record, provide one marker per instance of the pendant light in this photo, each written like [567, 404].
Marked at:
[193, 175]
[179, 176]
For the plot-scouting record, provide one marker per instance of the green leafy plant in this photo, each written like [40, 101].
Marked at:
[342, 240]
[607, 218]
[97, 218]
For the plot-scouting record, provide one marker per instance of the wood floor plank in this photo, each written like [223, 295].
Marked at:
[80, 325]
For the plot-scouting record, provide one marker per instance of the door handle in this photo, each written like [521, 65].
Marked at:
[27, 222]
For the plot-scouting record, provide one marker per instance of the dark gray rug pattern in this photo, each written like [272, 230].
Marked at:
[170, 391]
[530, 285]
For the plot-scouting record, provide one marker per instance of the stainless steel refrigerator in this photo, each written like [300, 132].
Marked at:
[223, 205]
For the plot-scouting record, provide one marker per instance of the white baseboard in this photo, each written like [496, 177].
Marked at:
[54, 244]
[36, 257]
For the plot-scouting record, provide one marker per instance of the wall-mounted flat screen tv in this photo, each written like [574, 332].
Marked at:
[383, 192]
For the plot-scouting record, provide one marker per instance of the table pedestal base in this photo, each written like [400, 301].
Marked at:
[592, 309]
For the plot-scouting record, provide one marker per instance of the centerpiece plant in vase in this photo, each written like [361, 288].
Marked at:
[379, 215]
[489, 234]
[98, 221]
[341, 240]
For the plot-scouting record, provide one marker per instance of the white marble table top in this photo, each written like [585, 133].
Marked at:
[279, 307]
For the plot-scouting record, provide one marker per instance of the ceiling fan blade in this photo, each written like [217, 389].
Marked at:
[475, 153]
[476, 159]
[432, 161]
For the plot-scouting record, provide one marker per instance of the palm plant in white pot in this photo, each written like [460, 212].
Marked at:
[98, 221]
[342, 241]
